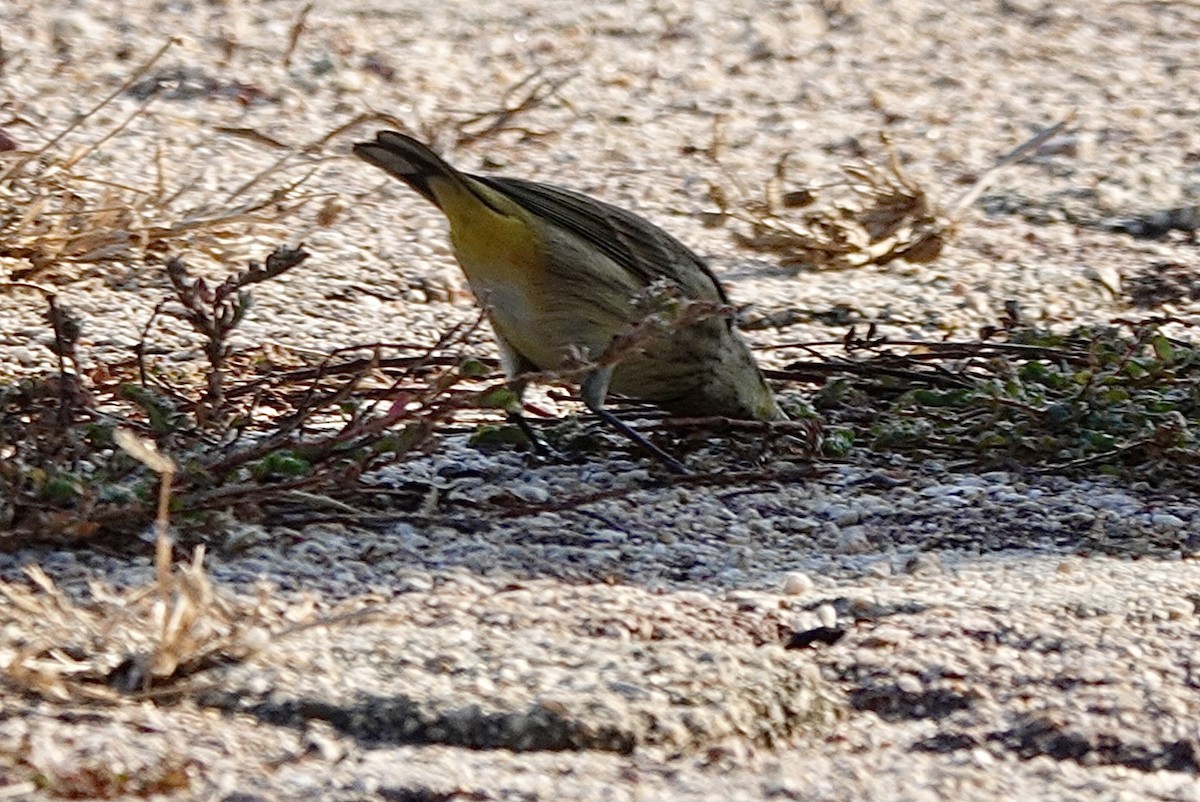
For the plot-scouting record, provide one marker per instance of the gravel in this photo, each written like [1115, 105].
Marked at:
[612, 635]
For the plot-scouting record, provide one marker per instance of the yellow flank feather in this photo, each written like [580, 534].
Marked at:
[490, 246]
[503, 259]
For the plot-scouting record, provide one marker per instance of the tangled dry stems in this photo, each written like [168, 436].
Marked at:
[875, 214]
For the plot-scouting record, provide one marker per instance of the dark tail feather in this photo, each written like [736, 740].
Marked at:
[407, 159]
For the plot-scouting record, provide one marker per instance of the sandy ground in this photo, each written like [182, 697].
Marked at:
[995, 647]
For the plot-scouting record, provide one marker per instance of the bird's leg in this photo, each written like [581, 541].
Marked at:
[517, 417]
[593, 390]
[515, 366]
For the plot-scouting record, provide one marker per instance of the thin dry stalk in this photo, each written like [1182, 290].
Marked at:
[58, 215]
[294, 34]
[16, 167]
[527, 94]
[147, 453]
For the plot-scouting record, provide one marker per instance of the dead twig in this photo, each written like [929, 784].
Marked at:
[18, 165]
[522, 97]
[294, 34]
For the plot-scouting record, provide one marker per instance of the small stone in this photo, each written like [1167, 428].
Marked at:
[982, 757]
[797, 583]
[752, 600]
[325, 746]
[241, 537]
[1165, 520]
[414, 584]
[531, 493]
[445, 286]
[1177, 608]
[852, 541]
[923, 564]
[887, 635]
[843, 515]
[1117, 502]
[23, 355]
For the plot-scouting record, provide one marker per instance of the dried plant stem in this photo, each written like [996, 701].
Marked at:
[540, 90]
[146, 452]
[130, 81]
[1019, 152]
[162, 528]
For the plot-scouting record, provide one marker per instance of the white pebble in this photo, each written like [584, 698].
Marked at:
[797, 583]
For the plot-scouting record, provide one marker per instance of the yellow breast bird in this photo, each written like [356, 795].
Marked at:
[561, 274]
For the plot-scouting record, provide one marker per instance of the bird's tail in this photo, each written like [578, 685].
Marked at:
[413, 163]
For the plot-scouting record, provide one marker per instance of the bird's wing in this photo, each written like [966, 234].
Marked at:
[637, 245]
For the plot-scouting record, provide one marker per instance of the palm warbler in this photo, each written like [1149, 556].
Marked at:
[561, 274]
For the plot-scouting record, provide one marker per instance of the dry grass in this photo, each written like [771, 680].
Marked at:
[136, 641]
[875, 215]
[146, 641]
[55, 214]
[127, 642]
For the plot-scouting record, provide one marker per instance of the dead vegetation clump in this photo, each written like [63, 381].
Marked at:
[153, 642]
[875, 215]
[122, 642]
[257, 432]
[884, 216]
[55, 214]
[109, 448]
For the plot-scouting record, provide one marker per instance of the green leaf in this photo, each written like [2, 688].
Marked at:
[1163, 349]
[499, 398]
[61, 490]
[939, 398]
[490, 435]
[837, 442]
[280, 465]
[473, 369]
[160, 412]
